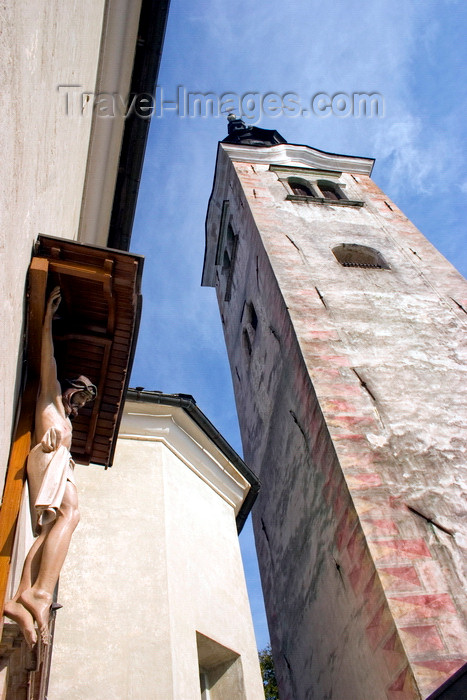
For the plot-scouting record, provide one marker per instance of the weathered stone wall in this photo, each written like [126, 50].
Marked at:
[350, 406]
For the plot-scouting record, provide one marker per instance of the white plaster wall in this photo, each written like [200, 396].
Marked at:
[207, 591]
[43, 44]
[155, 559]
[111, 638]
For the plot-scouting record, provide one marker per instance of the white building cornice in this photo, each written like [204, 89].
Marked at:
[173, 427]
[302, 156]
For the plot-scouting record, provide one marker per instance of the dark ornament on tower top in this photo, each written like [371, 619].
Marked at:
[241, 134]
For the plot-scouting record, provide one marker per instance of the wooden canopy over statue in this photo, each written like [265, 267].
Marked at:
[94, 333]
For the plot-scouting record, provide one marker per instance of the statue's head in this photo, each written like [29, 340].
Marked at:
[76, 393]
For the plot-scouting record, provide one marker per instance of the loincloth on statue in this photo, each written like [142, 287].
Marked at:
[48, 473]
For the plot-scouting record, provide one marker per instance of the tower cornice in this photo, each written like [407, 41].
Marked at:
[289, 154]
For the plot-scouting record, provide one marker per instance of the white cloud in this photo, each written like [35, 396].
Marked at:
[417, 159]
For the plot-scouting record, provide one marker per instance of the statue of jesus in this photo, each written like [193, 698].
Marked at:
[52, 490]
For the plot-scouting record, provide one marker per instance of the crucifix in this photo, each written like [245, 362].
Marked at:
[52, 490]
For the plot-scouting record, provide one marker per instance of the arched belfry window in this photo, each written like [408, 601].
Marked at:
[356, 255]
[300, 187]
[312, 187]
[329, 190]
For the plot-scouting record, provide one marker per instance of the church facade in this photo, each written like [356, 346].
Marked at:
[345, 331]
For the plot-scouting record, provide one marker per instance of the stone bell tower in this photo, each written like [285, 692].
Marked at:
[345, 333]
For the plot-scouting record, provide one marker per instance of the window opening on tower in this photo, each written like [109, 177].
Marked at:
[229, 249]
[317, 191]
[330, 190]
[301, 188]
[247, 342]
[356, 255]
[250, 325]
[228, 260]
[226, 252]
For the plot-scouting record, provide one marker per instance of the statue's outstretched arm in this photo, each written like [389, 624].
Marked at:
[49, 386]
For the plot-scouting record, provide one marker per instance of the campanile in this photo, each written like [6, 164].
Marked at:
[345, 330]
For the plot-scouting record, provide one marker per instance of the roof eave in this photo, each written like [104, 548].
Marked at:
[188, 404]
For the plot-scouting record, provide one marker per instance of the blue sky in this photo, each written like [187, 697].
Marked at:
[411, 53]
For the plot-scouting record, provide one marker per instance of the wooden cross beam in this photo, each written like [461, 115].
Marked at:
[21, 445]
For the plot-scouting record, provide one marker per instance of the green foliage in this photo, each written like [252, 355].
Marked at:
[266, 663]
